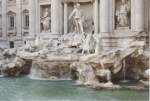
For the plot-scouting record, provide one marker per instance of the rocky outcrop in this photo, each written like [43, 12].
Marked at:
[85, 73]
[59, 60]
[128, 63]
[50, 70]
[11, 64]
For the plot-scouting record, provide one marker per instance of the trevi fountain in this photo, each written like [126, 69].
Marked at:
[74, 50]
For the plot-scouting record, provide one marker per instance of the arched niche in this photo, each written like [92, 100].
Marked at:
[86, 8]
[45, 18]
[122, 14]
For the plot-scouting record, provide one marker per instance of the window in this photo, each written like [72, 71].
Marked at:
[12, 21]
[11, 43]
[26, 20]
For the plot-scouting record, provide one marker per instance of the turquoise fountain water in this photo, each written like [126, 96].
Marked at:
[24, 89]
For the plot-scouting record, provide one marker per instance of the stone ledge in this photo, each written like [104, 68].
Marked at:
[80, 1]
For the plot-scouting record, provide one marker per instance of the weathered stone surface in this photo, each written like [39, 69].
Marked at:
[11, 64]
[43, 69]
[118, 65]
[60, 60]
[85, 73]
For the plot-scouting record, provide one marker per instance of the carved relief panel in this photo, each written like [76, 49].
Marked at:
[11, 2]
[122, 14]
[25, 1]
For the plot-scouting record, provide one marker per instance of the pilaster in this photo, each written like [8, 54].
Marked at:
[96, 15]
[32, 18]
[55, 16]
[65, 18]
[18, 17]
[4, 18]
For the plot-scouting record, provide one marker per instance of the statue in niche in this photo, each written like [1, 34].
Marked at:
[45, 20]
[78, 18]
[122, 14]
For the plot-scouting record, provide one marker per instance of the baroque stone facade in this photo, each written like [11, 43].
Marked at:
[116, 21]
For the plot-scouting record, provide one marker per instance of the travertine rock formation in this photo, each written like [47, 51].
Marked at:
[11, 64]
[50, 70]
[129, 63]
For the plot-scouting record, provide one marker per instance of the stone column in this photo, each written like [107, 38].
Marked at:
[105, 24]
[32, 18]
[149, 17]
[139, 15]
[104, 16]
[18, 17]
[96, 25]
[37, 29]
[65, 18]
[96, 14]
[55, 16]
[95, 10]
[4, 18]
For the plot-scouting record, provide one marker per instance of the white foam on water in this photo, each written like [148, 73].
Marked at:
[1, 76]
[47, 79]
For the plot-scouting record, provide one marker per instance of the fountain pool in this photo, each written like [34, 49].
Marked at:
[24, 89]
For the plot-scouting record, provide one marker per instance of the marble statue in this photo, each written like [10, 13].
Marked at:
[37, 40]
[78, 18]
[45, 20]
[122, 14]
[88, 44]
